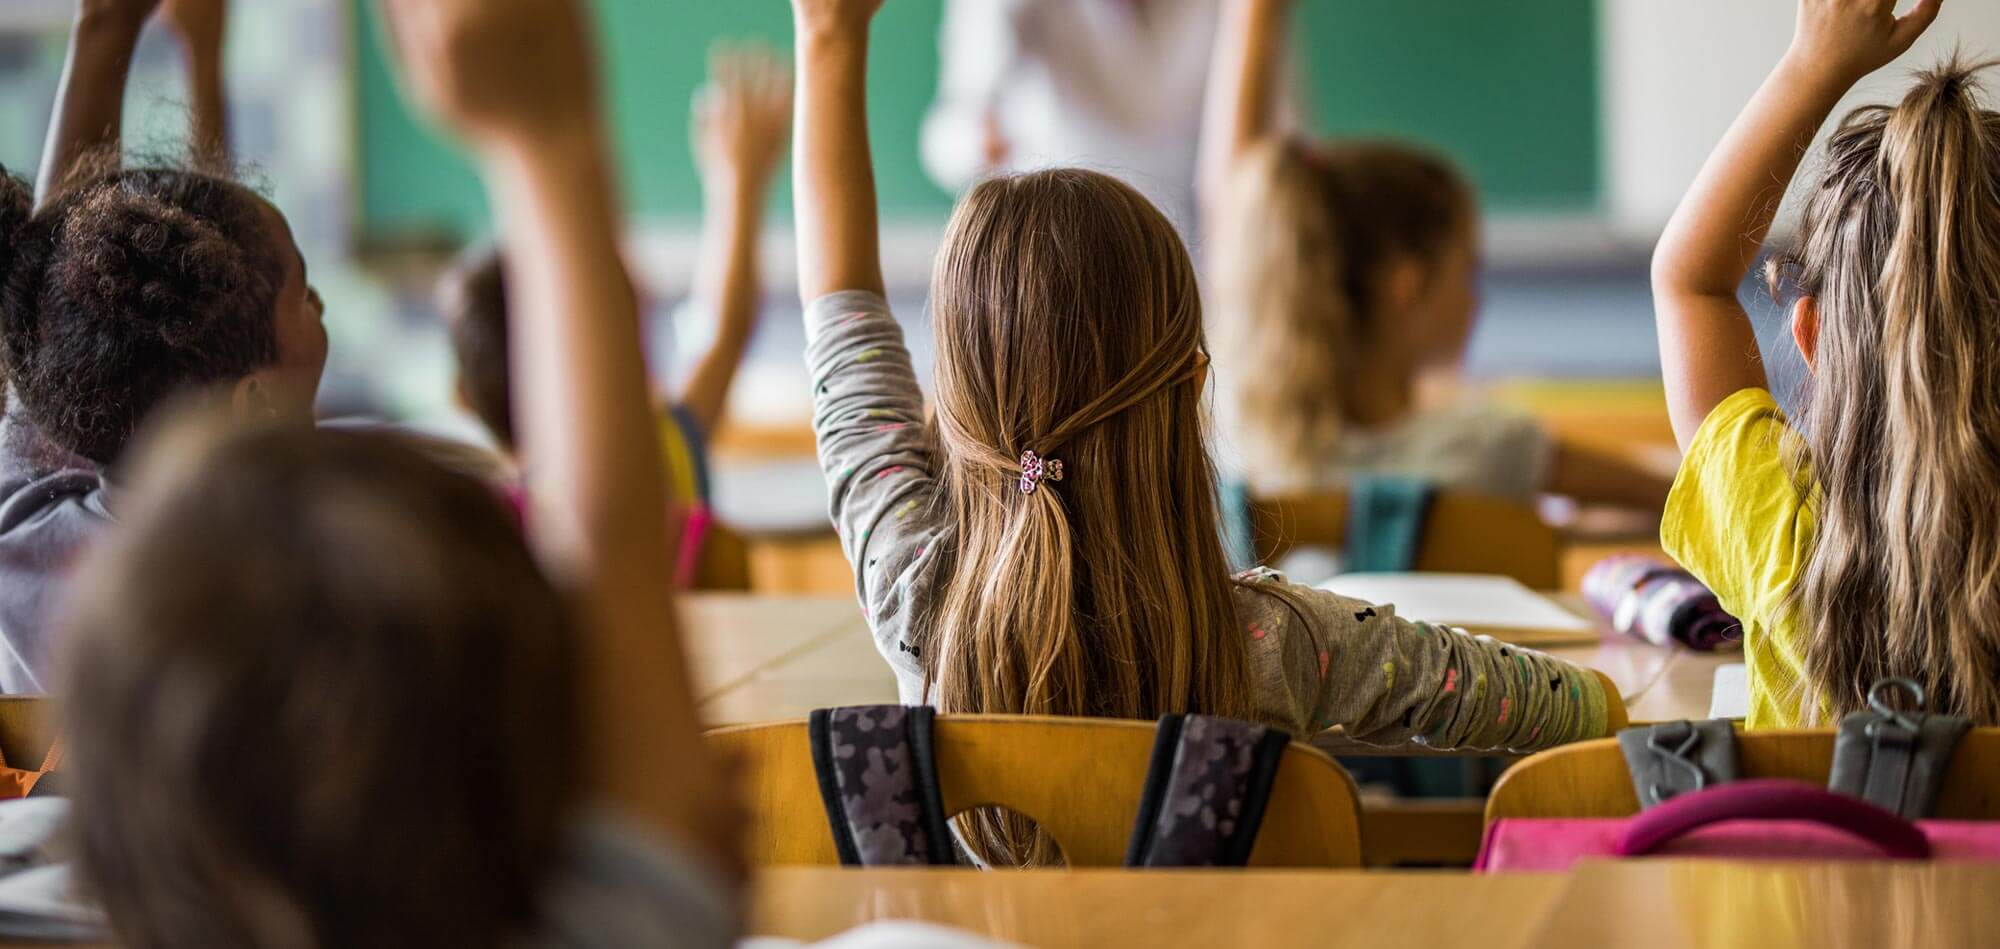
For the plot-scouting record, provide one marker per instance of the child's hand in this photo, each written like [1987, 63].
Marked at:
[1851, 38]
[498, 72]
[742, 119]
[201, 24]
[130, 14]
[821, 16]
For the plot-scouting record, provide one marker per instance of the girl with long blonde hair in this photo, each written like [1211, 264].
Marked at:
[1049, 542]
[1346, 272]
[1862, 542]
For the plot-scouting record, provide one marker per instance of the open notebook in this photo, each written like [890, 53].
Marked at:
[1500, 607]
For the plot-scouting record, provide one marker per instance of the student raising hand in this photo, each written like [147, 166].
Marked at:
[514, 77]
[498, 72]
[742, 121]
[834, 14]
[1707, 349]
[833, 175]
[1852, 38]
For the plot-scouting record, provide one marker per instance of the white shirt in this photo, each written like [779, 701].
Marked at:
[1111, 85]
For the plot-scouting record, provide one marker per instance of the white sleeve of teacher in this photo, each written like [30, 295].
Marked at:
[978, 44]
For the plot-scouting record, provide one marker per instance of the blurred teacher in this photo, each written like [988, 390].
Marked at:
[1111, 85]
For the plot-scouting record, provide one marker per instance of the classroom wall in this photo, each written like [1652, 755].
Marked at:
[1508, 89]
[1676, 73]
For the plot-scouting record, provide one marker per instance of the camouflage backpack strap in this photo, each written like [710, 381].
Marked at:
[878, 779]
[1205, 792]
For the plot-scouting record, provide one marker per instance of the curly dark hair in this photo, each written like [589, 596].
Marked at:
[474, 296]
[133, 286]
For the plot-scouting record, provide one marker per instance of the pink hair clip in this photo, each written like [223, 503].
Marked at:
[1034, 468]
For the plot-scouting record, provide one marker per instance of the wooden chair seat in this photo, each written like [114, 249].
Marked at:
[1589, 779]
[1463, 533]
[1078, 778]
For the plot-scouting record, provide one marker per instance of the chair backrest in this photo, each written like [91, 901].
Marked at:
[1589, 779]
[26, 723]
[1079, 778]
[725, 560]
[1464, 533]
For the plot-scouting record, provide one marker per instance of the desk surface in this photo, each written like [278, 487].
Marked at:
[1164, 908]
[1638, 904]
[764, 658]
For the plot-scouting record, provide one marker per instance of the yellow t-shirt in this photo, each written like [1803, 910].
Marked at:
[1737, 519]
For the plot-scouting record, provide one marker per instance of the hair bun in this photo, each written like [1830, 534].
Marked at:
[153, 263]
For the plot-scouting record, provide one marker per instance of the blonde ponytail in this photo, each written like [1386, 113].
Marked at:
[1901, 252]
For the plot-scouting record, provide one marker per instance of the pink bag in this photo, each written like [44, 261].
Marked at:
[1744, 820]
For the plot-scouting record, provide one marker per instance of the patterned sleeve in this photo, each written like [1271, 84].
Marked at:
[868, 417]
[1387, 680]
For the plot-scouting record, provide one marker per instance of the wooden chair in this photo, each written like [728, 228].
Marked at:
[1079, 778]
[1464, 533]
[725, 561]
[1589, 779]
[25, 729]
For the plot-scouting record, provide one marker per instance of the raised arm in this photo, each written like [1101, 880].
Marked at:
[515, 78]
[833, 178]
[202, 25]
[1241, 109]
[90, 102]
[1707, 349]
[741, 119]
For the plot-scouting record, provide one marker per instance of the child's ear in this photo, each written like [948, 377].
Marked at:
[1404, 284]
[1805, 331]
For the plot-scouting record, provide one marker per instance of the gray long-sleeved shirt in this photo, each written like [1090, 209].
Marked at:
[1316, 659]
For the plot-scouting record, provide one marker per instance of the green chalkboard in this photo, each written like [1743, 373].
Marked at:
[656, 53]
[1509, 89]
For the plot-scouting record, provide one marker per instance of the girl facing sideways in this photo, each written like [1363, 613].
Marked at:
[121, 288]
[1345, 271]
[1863, 541]
[1049, 543]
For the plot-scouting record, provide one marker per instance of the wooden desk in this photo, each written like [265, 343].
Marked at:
[731, 636]
[1098, 908]
[1675, 903]
[1637, 904]
[841, 667]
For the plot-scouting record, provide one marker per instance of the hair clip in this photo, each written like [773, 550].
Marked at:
[1035, 468]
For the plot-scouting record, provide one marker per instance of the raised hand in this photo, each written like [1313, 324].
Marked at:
[201, 24]
[131, 14]
[815, 16]
[1852, 38]
[742, 119]
[497, 72]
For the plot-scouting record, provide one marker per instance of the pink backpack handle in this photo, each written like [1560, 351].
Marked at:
[1772, 799]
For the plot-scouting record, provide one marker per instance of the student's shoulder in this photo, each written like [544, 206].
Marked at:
[60, 502]
[617, 882]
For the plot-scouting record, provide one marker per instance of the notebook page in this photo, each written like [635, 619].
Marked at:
[1473, 601]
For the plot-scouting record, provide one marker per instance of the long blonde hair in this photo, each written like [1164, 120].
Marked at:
[1900, 251]
[1068, 323]
[1306, 233]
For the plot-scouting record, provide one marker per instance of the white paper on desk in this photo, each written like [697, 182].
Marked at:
[887, 934]
[1732, 692]
[1474, 601]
